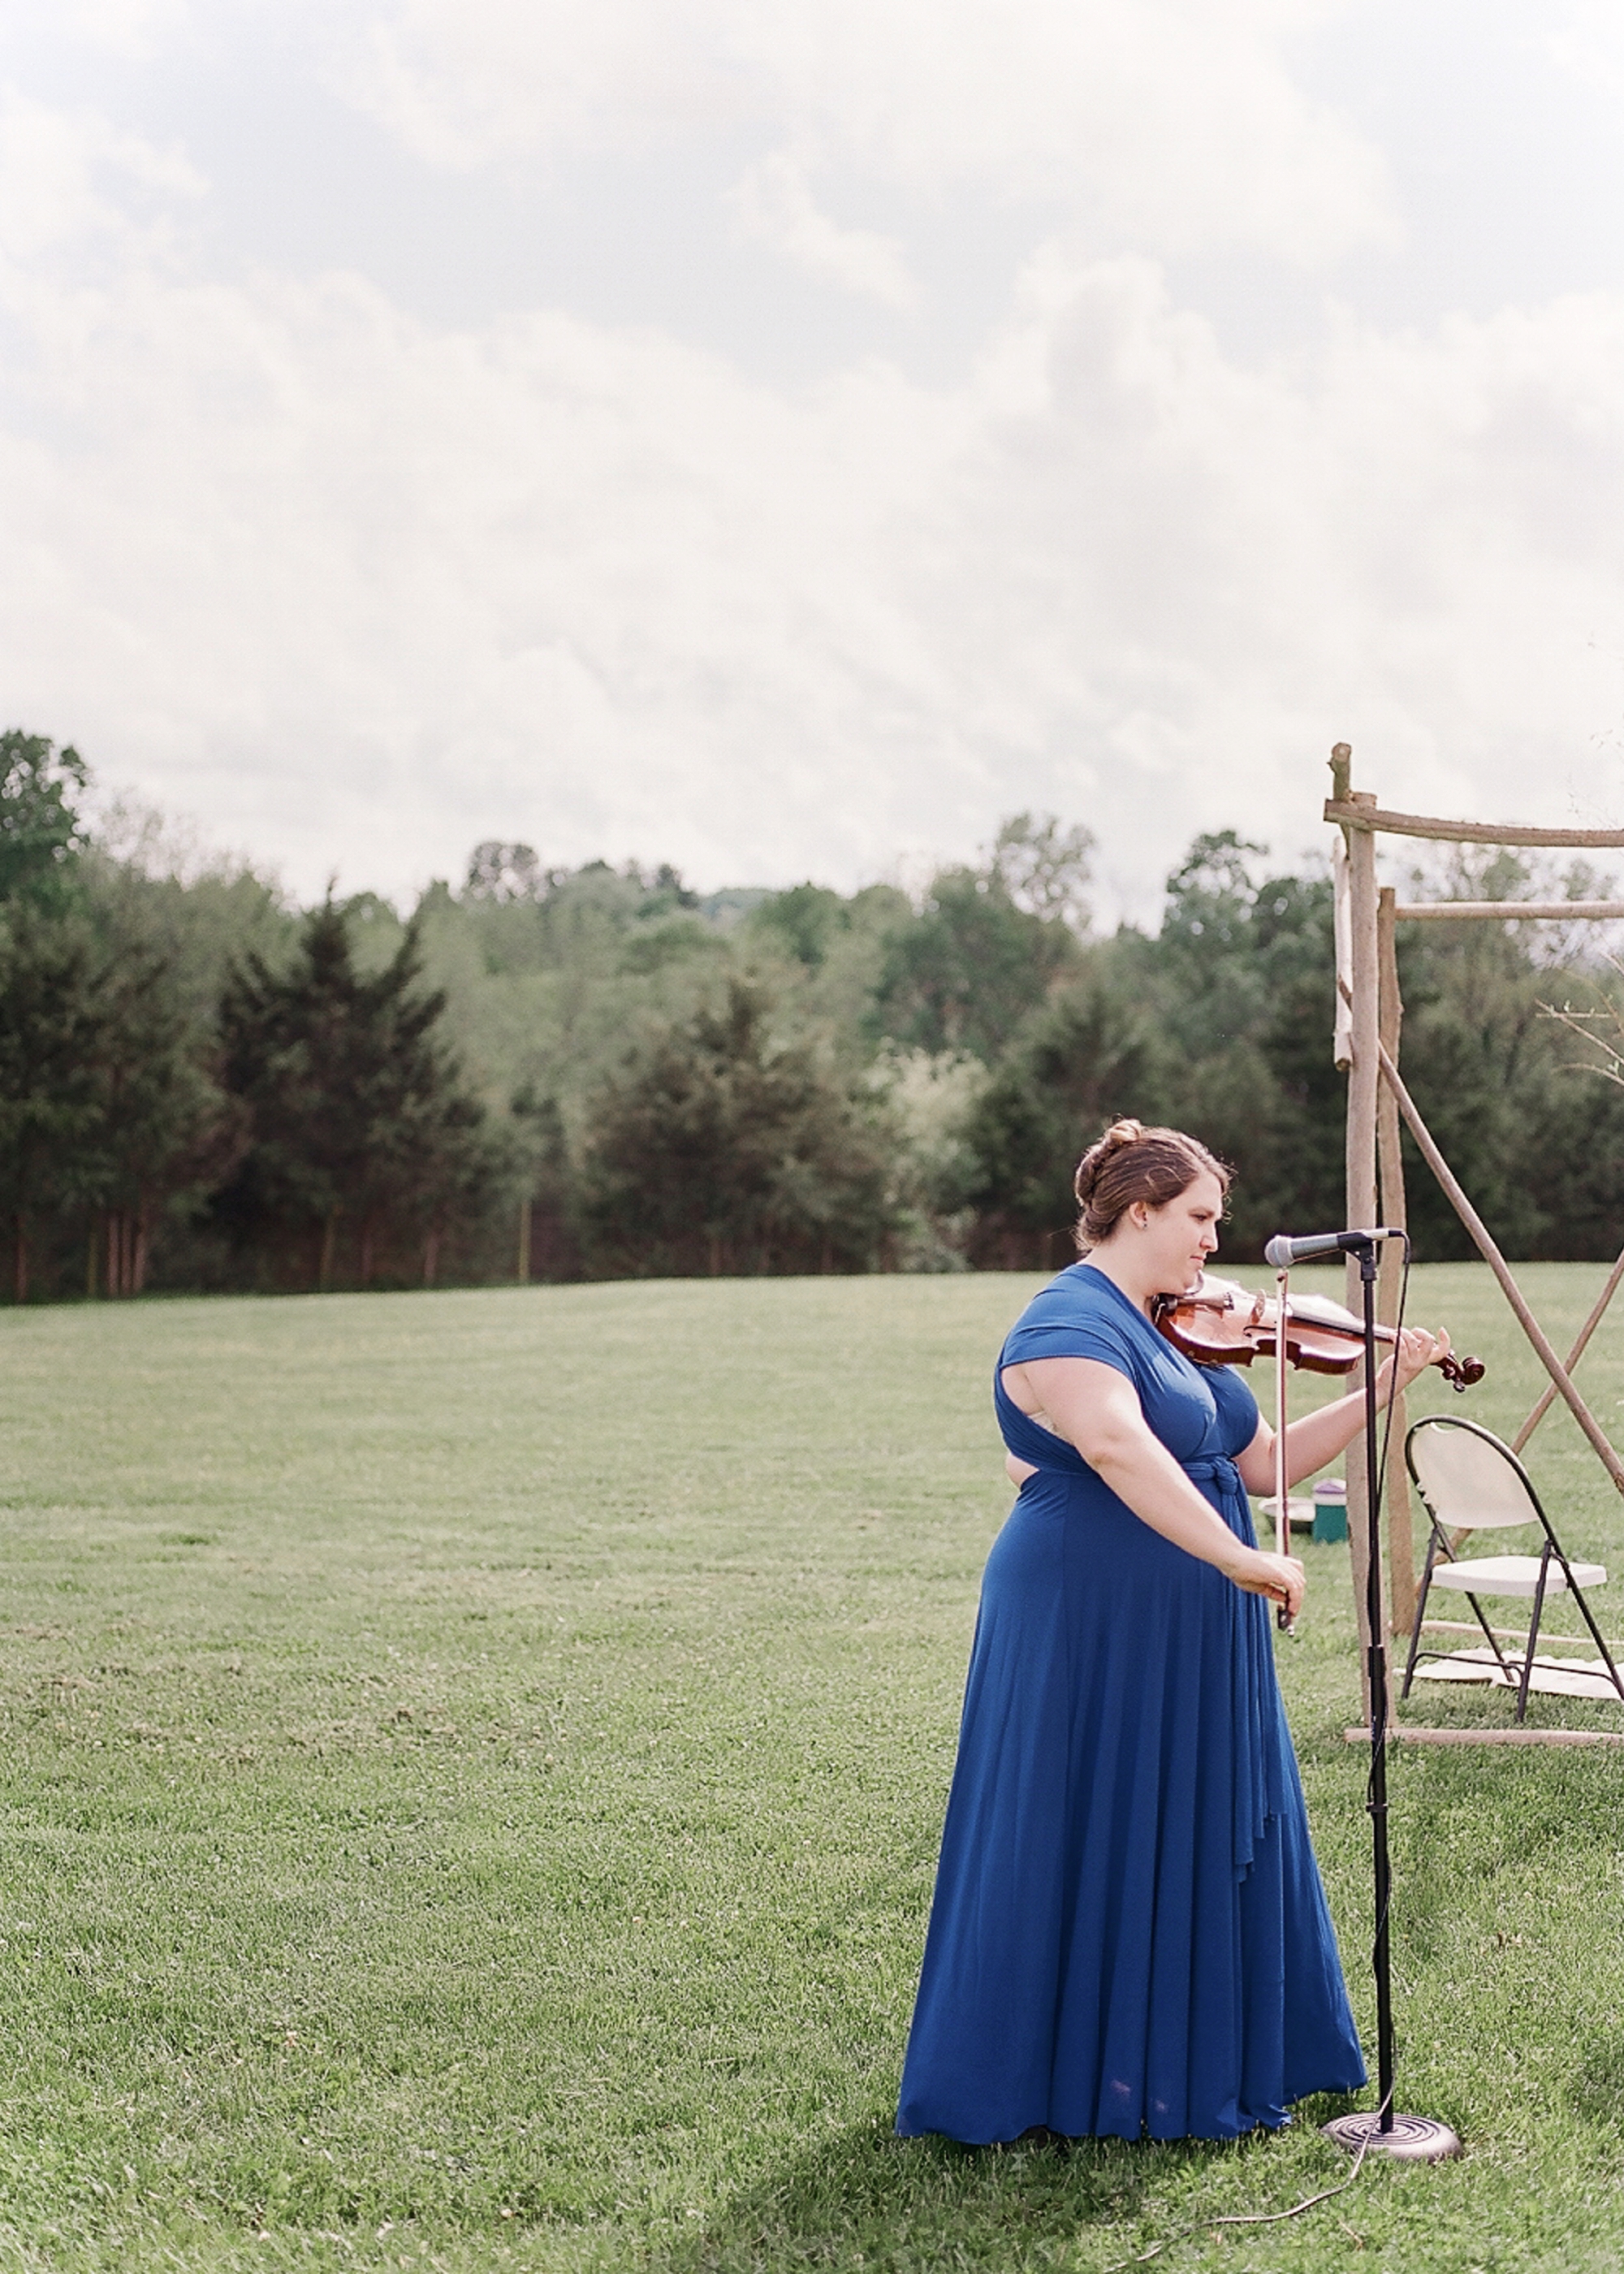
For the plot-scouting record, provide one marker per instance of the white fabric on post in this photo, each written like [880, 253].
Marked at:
[1341, 926]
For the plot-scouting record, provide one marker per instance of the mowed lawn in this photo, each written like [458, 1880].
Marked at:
[472, 1767]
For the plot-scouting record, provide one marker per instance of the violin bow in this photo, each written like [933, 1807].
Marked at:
[1283, 1505]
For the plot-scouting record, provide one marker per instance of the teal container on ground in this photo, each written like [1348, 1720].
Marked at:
[1330, 1510]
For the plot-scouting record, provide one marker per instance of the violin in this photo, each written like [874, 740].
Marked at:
[1219, 1323]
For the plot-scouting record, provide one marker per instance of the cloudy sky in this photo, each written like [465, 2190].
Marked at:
[784, 436]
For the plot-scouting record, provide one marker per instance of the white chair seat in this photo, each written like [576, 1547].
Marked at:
[1513, 1575]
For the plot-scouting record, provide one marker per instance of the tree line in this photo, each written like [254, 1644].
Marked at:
[595, 1072]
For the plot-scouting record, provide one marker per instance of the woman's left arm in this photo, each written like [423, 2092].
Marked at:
[1319, 1437]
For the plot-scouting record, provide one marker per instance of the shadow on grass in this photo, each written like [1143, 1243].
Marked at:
[864, 2198]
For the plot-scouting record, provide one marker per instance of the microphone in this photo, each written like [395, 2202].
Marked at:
[1282, 1251]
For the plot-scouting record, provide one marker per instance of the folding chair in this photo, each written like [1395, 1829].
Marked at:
[1466, 1476]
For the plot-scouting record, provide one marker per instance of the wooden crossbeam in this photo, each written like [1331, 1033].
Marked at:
[1508, 911]
[1418, 1736]
[1497, 1263]
[1354, 813]
[1516, 1634]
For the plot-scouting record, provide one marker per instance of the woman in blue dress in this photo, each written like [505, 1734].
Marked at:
[1128, 1935]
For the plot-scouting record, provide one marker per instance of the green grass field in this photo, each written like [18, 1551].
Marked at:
[472, 1769]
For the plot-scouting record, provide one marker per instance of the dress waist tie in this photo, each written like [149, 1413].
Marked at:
[1218, 1469]
[1258, 1734]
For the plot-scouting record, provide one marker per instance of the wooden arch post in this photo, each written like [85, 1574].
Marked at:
[1362, 1043]
[1368, 1022]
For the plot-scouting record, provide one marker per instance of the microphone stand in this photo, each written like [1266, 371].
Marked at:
[1282, 1504]
[1377, 2131]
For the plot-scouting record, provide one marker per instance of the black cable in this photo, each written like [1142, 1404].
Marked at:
[1378, 1484]
[1377, 1490]
[1243, 2218]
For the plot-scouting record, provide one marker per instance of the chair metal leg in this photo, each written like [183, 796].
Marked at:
[1415, 1633]
[1488, 1636]
[1533, 1632]
[1595, 1633]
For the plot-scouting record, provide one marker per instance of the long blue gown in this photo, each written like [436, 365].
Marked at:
[1129, 1934]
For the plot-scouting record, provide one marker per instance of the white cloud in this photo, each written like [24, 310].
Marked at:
[126, 28]
[774, 205]
[70, 177]
[356, 589]
[1176, 121]
[462, 85]
[1585, 38]
[355, 586]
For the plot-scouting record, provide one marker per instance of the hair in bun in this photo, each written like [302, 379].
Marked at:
[1130, 1164]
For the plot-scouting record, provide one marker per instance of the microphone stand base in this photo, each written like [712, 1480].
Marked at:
[1411, 2139]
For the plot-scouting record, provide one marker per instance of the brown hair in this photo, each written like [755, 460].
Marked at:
[1131, 1162]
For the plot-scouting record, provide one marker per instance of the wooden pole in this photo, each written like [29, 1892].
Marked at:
[1502, 1269]
[1389, 1161]
[1360, 1151]
[522, 1273]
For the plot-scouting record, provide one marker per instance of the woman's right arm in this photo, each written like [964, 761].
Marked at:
[1098, 1410]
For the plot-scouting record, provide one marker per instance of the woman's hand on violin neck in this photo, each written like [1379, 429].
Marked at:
[1415, 1350]
[1313, 1439]
[1280, 1577]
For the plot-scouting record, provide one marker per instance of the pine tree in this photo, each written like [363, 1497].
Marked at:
[359, 1122]
[52, 1019]
[162, 1127]
[53, 1024]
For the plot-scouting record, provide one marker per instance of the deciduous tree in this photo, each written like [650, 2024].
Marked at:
[41, 829]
